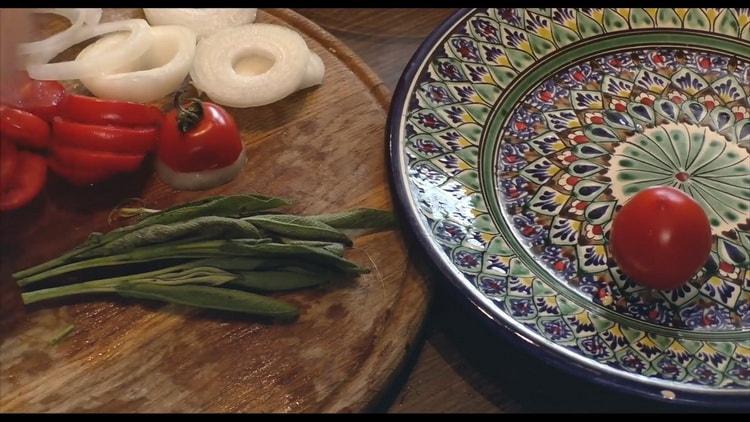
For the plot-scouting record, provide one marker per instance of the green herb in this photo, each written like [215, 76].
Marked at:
[199, 228]
[234, 206]
[293, 279]
[298, 227]
[211, 298]
[62, 334]
[227, 245]
[360, 218]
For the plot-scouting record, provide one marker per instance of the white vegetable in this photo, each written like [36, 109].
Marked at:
[77, 17]
[202, 21]
[216, 56]
[314, 72]
[158, 72]
[137, 43]
[200, 180]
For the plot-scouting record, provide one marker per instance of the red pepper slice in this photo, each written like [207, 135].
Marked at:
[75, 176]
[84, 109]
[42, 98]
[8, 162]
[23, 127]
[132, 140]
[97, 160]
[27, 182]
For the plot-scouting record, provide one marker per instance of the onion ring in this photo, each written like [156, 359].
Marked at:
[314, 71]
[78, 19]
[213, 69]
[159, 72]
[137, 43]
[202, 21]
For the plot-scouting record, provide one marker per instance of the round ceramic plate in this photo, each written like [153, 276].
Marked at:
[517, 134]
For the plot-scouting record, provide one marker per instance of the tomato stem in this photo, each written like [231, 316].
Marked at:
[187, 117]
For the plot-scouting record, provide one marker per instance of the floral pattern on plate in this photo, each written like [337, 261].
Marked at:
[525, 130]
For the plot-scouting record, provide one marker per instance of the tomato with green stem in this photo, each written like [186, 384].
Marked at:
[197, 137]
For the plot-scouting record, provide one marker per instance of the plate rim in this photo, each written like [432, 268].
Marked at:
[553, 354]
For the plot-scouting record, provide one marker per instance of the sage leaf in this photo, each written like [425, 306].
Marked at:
[360, 218]
[298, 227]
[211, 298]
[269, 281]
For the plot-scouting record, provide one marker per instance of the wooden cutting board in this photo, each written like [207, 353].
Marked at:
[324, 149]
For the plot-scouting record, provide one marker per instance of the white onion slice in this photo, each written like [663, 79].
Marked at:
[200, 180]
[314, 72]
[202, 21]
[77, 17]
[159, 72]
[213, 69]
[131, 49]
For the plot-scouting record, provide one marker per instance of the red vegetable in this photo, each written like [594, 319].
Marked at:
[87, 160]
[201, 137]
[41, 98]
[23, 127]
[8, 162]
[661, 237]
[78, 177]
[26, 183]
[140, 140]
[92, 110]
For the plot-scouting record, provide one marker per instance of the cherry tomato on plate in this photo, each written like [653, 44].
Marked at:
[87, 160]
[8, 162]
[661, 237]
[84, 109]
[23, 127]
[26, 183]
[41, 98]
[201, 137]
[132, 140]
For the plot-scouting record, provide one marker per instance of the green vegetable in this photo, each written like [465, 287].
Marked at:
[298, 227]
[234, 206]
[199, 228]
[360, 218]
[212, 298]
[224, 243]
[281, 280]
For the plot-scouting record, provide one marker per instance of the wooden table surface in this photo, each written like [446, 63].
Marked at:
[460, 365]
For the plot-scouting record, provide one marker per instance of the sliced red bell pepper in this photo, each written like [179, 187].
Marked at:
[132, 140]
[26, 183]
[41, 98]
[82, 159]
[75, 176]
[8, 162]
[84, 109]
[23, 128]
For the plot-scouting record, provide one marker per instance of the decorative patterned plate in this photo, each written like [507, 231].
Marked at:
[517, 134]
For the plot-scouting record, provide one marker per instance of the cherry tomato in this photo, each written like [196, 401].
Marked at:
[661, 237]
[41, 98]
[83, 109]
[77, 176]
[8, 162]
[133, 140]
[23, 127]
[26, 183]
[201, 137]
[83, 159]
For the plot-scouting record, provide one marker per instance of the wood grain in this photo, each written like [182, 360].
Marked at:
[322, 148]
